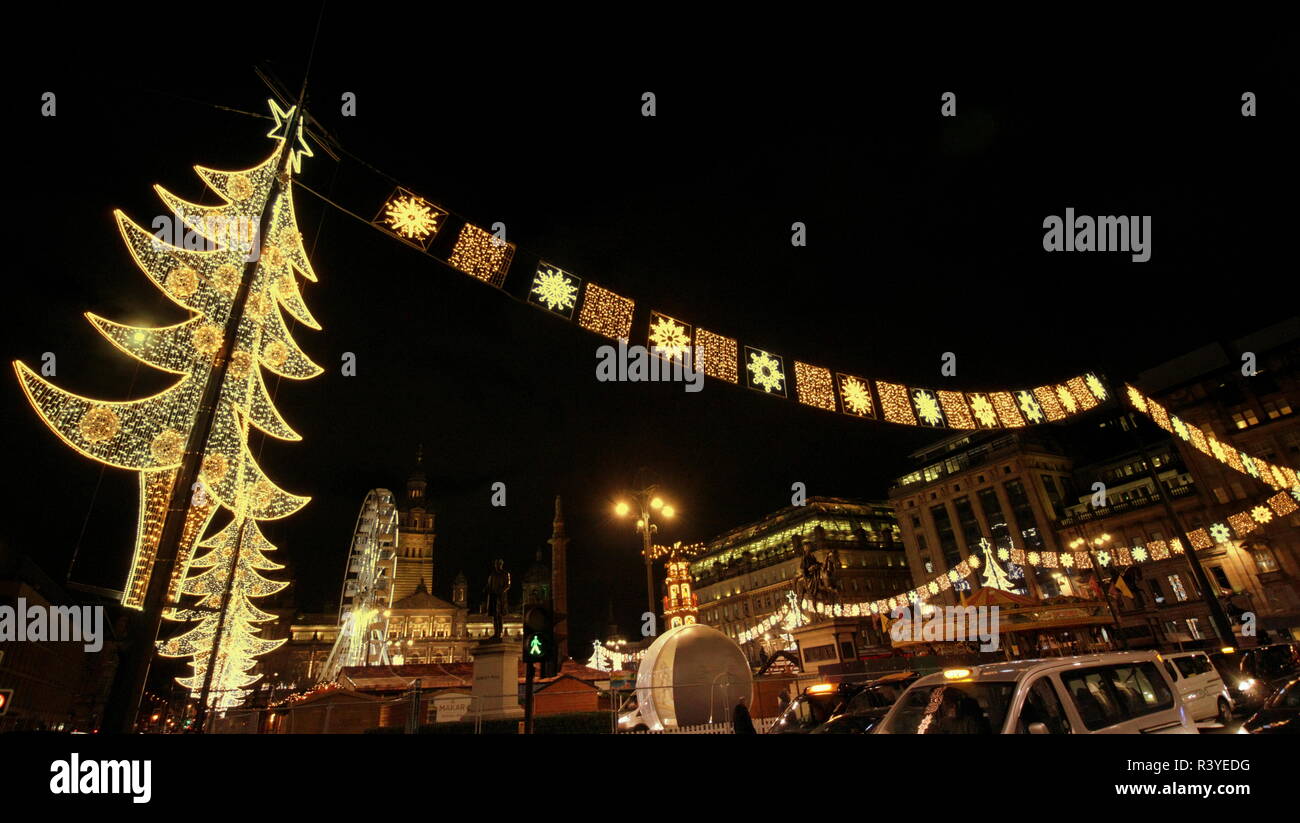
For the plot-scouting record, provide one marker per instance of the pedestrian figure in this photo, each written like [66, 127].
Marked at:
[740, 721]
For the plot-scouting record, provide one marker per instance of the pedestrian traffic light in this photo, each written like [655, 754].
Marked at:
[539, 635]
[6, 697]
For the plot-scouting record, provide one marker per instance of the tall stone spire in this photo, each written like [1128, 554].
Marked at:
[559, 580]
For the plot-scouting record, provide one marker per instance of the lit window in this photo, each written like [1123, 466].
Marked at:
[1176, 584]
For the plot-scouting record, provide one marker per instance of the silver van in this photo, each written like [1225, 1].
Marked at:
[1112, 693]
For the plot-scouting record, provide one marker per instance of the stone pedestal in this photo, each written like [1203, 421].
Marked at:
[496, 680]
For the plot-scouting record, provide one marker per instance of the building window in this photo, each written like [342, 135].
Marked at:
[1221, 579]
[1194, 628]
[1245, 418]
[1176, 585]
[1264, 560]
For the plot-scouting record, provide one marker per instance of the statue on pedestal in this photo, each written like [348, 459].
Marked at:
[497, 596]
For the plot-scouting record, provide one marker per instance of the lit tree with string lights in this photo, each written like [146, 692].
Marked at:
[235, 272]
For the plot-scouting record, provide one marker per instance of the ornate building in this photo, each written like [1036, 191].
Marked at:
[681, 605]
[414, 557]
[747, 573]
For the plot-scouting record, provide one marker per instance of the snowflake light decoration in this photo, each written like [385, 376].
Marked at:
[1261, 514]
[1095, 386]
[1103, 557]
[983, 411]
[1067, 560]
[1220, 533]
[856, 397]
[765, 371]
[1295, 492]
[672, 339]
[554, 290]
[412, 218]
[1139, 553]
[1032, 410]
[1067, 399]
[927, 407]
[1180, 428]
[1004, 554]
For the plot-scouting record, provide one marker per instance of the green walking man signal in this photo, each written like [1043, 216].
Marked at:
[539, 637]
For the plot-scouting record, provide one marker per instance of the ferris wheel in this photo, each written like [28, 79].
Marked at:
[367, 588]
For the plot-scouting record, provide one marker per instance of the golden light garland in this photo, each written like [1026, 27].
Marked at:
[765, 371]
[895, 404]
[855, 396]
[717, 355]
[482, 255]
[554, 290]
[411, 218]
[606, 313]
[956, 410]
[669, 337]
[814, 386]
[1279, 505]
[1203, 440]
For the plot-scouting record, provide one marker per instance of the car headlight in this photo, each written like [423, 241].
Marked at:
[1246, 685]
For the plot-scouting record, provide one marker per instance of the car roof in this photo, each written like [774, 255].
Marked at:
[1013, 670]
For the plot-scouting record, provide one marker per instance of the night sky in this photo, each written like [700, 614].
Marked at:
[924, 236]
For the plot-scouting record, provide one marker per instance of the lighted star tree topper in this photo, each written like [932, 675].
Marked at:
[149, 435]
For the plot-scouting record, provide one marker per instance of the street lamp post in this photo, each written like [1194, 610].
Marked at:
[1093, 546]
[647, 502]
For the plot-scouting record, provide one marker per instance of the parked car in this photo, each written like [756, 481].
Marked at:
[1199, 685]
[1246, 693]
[862, 712]
[1280, 714]
[813, 707]
[1113, 693]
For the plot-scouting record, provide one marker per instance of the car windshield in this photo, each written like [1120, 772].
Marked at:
[881, 696]
[951, 708]
[1229, 665]
[809, 710]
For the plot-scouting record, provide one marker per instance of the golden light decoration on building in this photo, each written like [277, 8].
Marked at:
[1080, 392]
[148, 435]
[895, 404]
[606, 313]
[669, 338]
[482, 255]
[814, 386]
[855, 396]
[555, 290]
[1241, 523]
[766, 371]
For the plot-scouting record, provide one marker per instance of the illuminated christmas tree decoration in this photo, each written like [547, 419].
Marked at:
[606, 313]
[955, 409]
[555, 290]
[855, 396]
[411, 218]
[717, 355]
[150, 435]
[669, 338]
[1008, 411]
[927, 407]
[895, 404]
[766, 371]
[1079, 389]
[1051, 407]
[482, 255]
[1030, 407]
[983, 410]
[814, 386]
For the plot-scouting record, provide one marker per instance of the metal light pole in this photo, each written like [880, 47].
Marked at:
[647, 503]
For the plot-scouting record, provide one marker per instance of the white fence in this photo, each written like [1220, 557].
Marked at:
[761, 725]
